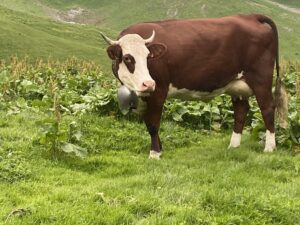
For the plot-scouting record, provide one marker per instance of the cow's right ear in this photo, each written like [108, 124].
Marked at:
[157, 50]
[115, 52]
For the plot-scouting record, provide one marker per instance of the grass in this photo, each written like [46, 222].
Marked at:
[198, 181]
[35, 37]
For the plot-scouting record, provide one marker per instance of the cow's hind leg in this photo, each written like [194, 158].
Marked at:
[240, 108]
[267, 107]
[262, 89]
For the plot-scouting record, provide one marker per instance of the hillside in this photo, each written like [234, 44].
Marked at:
[43, 28]
[25, 35]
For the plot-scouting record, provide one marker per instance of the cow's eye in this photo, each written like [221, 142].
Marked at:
[129, 62]
[127, 59]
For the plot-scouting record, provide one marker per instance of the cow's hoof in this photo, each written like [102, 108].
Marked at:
[154, 155]
[269, 150]
[270, 142]
[235, 140]
[232, 147]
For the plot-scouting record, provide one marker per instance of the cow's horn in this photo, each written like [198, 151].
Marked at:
[108, 40]
[150, 39]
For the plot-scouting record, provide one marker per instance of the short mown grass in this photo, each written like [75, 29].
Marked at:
[198, 180]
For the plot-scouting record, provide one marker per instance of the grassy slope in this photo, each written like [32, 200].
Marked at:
[40, 37]
[29, 7]
[117, 19]
[202, 182]
[36, 37]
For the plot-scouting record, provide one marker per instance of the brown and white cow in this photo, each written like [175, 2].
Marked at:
[200, 59]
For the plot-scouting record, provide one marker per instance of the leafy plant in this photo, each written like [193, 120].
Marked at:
[54, 136]
[76, 88]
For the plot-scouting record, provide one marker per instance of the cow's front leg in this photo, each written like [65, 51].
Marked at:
[240, 108]
[152, 118]
[156, 146]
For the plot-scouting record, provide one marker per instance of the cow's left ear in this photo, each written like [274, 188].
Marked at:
[115, 52]
[157, 50]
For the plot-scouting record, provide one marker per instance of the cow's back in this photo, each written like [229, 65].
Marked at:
[202, 50]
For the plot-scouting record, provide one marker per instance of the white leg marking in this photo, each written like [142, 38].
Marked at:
[270, 142]
[235, 140]
[154, 155]
[240, 75]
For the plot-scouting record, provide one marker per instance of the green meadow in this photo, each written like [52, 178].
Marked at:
[198, 181]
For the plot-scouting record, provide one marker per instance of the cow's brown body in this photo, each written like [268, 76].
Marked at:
[207, 54]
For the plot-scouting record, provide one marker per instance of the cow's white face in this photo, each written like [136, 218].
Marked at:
[131, 54]
[133, 70]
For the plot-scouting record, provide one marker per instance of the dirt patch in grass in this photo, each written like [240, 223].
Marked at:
[78, 16]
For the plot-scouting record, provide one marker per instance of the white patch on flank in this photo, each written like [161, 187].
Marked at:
[187, 94]
[270, 142]
[235, 140]
[237, 87]
[154, 155]
[134, 45]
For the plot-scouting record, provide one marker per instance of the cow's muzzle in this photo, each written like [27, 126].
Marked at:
[146, 89]
[148, 86]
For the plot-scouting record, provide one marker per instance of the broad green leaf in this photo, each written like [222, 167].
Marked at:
[71, 148]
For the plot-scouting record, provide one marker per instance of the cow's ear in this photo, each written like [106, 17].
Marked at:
[157, 50]
[115, 52]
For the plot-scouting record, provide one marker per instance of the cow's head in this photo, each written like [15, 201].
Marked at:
[130, 55]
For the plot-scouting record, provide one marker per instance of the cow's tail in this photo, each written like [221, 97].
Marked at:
[281, 96]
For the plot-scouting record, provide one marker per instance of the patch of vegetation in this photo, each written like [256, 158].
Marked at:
[16, 146]
[13, 167]
[74, 88]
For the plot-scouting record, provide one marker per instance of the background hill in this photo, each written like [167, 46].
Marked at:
[64, 28]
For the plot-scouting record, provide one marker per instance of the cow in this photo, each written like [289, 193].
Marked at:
[199, 59]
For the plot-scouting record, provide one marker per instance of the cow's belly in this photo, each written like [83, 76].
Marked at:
[237, 88]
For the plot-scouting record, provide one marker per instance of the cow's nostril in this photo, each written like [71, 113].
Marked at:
[149, 83]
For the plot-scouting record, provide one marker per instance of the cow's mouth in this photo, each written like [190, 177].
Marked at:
[143, 93]
[147, 87]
